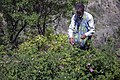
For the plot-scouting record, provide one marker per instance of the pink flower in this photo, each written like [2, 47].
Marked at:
[91, 69]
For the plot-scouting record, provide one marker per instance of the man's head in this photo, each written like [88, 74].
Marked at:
[79, 8]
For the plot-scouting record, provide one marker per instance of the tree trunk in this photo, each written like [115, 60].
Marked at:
[14, 40]
[44, 25]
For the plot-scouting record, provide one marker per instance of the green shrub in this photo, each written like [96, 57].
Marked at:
[53, 58]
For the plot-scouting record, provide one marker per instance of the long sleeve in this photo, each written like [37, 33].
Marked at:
[91, 26]
[71, 27]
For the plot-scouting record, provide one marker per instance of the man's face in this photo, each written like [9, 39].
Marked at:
[80, 12]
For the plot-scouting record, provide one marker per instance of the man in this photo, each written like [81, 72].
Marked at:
[81, 27]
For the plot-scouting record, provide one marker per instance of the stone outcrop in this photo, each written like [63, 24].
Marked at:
[107, 17]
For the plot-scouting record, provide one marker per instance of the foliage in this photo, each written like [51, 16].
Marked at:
[48, 57]
[26, 18]
[53, 58]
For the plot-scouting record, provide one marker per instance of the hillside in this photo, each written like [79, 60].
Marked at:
[107, 17]
[32, 46]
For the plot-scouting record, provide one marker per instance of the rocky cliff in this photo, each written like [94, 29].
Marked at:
[107, 17]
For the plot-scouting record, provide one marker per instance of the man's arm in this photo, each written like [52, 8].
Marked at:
[71, 29]
[91, 26]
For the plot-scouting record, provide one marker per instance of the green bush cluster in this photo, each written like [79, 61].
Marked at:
[53, 58]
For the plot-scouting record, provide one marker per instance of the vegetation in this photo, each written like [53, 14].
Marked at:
[28, 18]
[52, 58]
[29, 49]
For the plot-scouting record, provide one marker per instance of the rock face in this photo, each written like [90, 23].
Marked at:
[107, 17]
[105, 12]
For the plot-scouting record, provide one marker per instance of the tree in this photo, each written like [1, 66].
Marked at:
[27, 16]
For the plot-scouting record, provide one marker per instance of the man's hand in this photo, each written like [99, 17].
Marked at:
[71, 40]
[83, 36]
